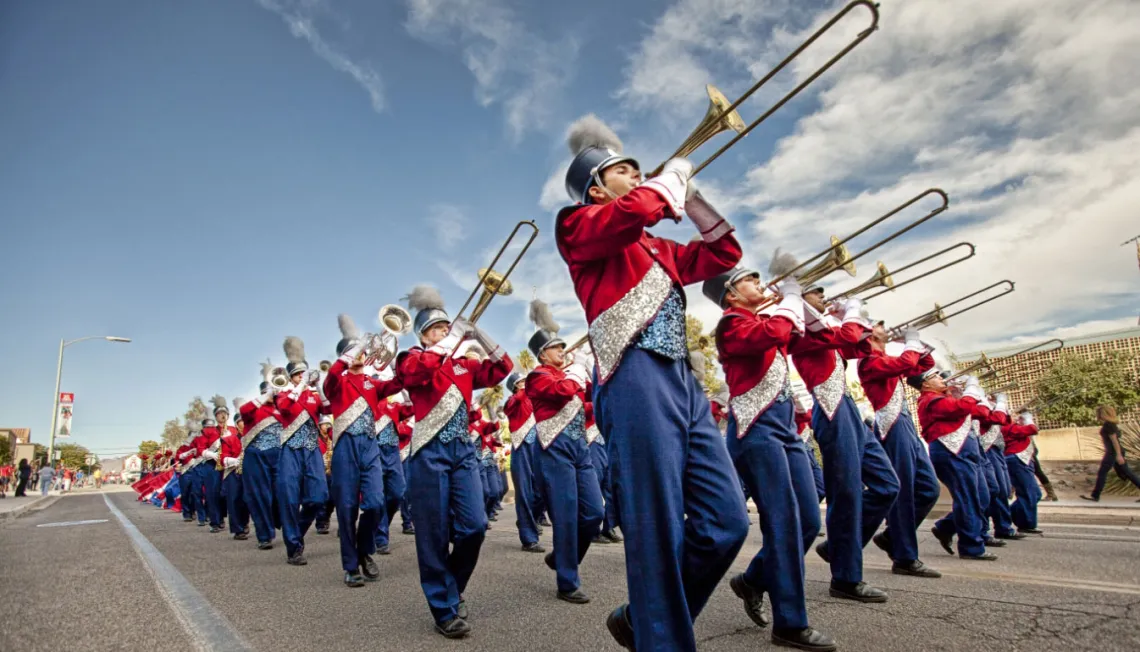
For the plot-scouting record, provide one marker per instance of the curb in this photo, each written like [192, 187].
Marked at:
[40, 503]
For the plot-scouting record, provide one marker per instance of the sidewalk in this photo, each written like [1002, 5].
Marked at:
[12, 507]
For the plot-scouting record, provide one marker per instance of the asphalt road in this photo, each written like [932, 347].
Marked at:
[1078, 587]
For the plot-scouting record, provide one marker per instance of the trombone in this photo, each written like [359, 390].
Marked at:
[722, 118]
[994, 368]
[569, 353]
[885, 279]
[939, 316]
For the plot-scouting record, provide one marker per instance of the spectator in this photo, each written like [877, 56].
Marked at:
[1113, 453]
[23, 473]
[5, 479]
[97, 474]
[47, 476]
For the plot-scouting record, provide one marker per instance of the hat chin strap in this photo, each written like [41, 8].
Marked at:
[598, 183]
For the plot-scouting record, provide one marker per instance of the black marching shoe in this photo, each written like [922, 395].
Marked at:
[915, 569]
[187, 519]
[601, 539]
[353, 580]
[461, 608]
[383, 550]
[947, 540]
[985, 556]
[821, 550]
[265, 545]
[408, 530]
[994, 543]
[322, 528]
[620, 626]
[297, 559]
[241, 536]
[493, 517]
[201, 524]
[613, 536]
[1095, 499]
[1030, 530]
[544, 522]
[454, 628]
[858, 591]
[1013, 536]
[574, 597]
[533, 547]
[753, 599]
[803, 639]
[214, 529]
[549, 558]
[883, 541]
[369, 568]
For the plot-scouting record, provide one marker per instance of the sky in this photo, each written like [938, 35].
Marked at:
[209, 177]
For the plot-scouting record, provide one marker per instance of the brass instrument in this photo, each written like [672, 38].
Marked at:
[982, 362]
[382, 347]
[725, 118]
[881, 279]
[1010, 387]
[278, 378]
[894, 286]
[569, 354]
[939, 316]
[324, 366]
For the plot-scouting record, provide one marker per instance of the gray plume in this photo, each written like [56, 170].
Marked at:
[542, 317]
[589, 131]
[424, 297]
[347, 327]
[266, 369]
[219, 401]
[782, 263]
[238, 402]
[194, 426]
[294, 349]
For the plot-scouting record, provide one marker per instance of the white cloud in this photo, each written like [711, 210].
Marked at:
[1020, 110]
[300, 16]
[449, 223]
[513, 66]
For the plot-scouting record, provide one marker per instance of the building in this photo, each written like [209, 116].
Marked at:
[21, 435]
[1027, 368]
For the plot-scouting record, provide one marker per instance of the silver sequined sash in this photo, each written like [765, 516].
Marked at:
[1026, 456]
[954, 441]
[347, 418]
[592, 433]
[993, 433]
[552, 427]
[830, 392]
[518, 436]
[292, 428]
[427, 428]
[613, 330]
[889, 414]
[747, 407]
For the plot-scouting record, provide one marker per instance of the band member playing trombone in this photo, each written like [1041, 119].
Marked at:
[678, 500]
[1019, 451]
[301, 485]
[945, 421]
[997, 475]
[575, 497]
[767, 451]
[883, 377]
[229, 454]
[259, 460]
[860, 484]
[524, 435]
[445, 485]
[357, 476]
[393, 410]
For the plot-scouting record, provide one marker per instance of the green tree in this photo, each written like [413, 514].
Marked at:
[197, 410]
[698, 340]
[526, 361]
[148, 447]
[5, 451]
[73, 456]
[1072, 388]
[40, 454]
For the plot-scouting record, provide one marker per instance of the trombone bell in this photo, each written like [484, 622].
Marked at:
[710, 125]
[324, 366]
[494, 283]
[837, 258]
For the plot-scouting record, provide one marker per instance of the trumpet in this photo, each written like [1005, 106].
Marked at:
[939, 316]
[722, 115]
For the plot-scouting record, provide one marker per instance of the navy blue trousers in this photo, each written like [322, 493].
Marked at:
[1023, 511]
[357, 490]
[773, 463]
[235, 503]
[960, 475]
[999, 499]
[489, 478]
[522, 474]
[678, 499]
[918, 487]
[259, 475]
[186, 491]
[394, 489]
[575, 504]
[860, 483]
[209, 499]
[301, 492]
[987, 478]
[601, 461]
[450, 521]
[405, 504]
[816, 472]
[324, 514]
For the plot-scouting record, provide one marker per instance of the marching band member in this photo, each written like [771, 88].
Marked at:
[945, 421]
[803, 405]
[1019, 451]
[259, 461]
[445, 485]
[474, 418]
[301, 485]
[487, 446]
[357, 476]
[524, 434]
[229, 458]
[404, 433]
[184, 457]
[207, 480]
[557, 391]
[766, 450]
[596, 443]
[393, 410]
[860, 484]
[997, 475]
[882, 378]
[682, 516]
[324, 514]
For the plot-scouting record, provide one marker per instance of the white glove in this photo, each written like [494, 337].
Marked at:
[210, 455]
[672, 185]
[708, 221]
[974, 389]
[853, 311]
[459, 331]
[352, 351]
[267, 397]
[790, 285]
[792, 307]
[1026, 419]
[494, 351]
[230, 463]
[578, 374]
[913, 342]
[1001, 402]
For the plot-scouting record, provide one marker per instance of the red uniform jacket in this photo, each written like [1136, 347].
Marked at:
[880, 374]
[719, 412]
[520, 417]
[752, 350]
[1017, 439]
[611, 259]
[212, 435]
[556, 399]
[185, 454]
[258, 416]
[351, 394]
[821, 356]
[294, 413]
[439, 386]
[803, 420]
[947, 418]
[231, 446]
[394, 413]
[404, 430]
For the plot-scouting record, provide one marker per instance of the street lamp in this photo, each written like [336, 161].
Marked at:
[58, 372]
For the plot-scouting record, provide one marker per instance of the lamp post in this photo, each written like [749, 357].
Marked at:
[58, 372]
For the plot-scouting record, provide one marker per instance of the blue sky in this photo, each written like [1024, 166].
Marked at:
[209, 177]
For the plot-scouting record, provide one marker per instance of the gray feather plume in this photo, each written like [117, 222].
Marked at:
[238, 402]
[542, 317]
[589, 131]
[347, 326]
[424, 297]
[266, 369]
[219, 401]
[294, 349]
[194, 426]
[782, 263]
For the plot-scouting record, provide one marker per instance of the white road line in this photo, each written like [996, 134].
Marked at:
[207, 628]
[67, 523]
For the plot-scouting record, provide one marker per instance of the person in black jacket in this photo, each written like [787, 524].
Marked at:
[23, 473]
[1113, 453]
